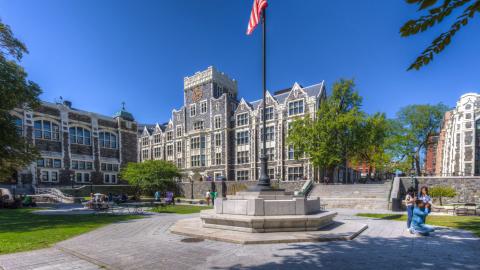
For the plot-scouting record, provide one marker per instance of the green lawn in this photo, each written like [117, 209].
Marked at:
[21, 230]
[179, 209]
[470, 223]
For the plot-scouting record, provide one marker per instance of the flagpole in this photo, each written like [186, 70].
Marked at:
[264, 180]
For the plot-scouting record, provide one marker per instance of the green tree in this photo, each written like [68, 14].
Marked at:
[411, 130]
[436, 12]
[151, 175]
[442, 192]
[16, 91]
[333, 135]
[372, 144]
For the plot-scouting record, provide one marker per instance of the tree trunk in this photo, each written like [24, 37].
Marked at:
[417, 163]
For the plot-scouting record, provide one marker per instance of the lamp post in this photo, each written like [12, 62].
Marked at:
[412, 179]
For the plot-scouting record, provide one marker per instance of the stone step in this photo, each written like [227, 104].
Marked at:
[354, 203]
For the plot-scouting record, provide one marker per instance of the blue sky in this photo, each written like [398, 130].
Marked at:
[100, 53]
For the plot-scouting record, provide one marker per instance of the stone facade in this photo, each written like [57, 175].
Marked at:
[458, 152]
[76, 145]
[467, 188]
[214, 133]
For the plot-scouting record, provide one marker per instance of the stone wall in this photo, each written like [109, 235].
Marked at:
[468, 188]
[201, 187]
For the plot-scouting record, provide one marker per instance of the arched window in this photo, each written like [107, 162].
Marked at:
[107, 140]
[46, 130]
[79, 135]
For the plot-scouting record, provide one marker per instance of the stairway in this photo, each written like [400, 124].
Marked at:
[355, 196]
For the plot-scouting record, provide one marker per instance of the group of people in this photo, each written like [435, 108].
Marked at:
[419, 207]
[210, 196]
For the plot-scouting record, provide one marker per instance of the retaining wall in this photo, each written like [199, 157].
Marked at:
[467, 188]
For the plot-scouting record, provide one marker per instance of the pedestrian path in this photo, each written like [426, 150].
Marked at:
[148, 244]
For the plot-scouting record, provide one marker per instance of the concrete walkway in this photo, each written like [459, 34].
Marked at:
[147, 244]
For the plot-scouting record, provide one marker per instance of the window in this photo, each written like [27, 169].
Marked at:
[179, 147]
[268, 113]
[109, 140]
[203, 107]
[46, 130]
[79, 135]
[157, 152]
[110, 178]
[145, 141]
[218, 139]
[242, 119]
[81, 165]
[49, 163]
[271, 173]
[242, 175]
[242, 137]
[198, 160]
[193, 110]
[19, 126]
[270, 152]
[217, 122]
[295, 173]
[269, 136]
[109, 167]
[218, 158]
[179, 163]
[295, 107]
[242, 157]
[198, 125]
[170, 150]
[197, 142]
[291, 152]
[49, 176]
[169, 136]
[82, 177]
[179, 131]
[157, 138]
[145, 154]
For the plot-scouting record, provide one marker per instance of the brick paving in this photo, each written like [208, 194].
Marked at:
[147, 244]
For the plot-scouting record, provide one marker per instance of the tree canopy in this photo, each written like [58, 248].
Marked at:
[436, 12]
[340, 131]
[16, 92]
[411, 131]
[151, 175]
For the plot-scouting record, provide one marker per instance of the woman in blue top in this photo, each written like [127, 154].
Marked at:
[420, 212]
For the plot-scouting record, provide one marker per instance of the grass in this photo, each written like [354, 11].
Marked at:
[21, 230]
[469, 223]
[179, 209]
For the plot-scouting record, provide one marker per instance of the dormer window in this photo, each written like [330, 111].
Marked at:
[295, 107]
[268, 113]
[242, 119]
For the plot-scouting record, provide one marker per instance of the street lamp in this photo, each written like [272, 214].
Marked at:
[72, 179]
[412, 179]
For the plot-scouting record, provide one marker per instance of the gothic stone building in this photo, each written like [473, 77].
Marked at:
[215, 134]
[76, 145]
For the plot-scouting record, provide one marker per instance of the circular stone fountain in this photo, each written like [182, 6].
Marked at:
[270, 216]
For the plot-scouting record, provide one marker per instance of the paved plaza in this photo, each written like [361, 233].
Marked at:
[147, 244]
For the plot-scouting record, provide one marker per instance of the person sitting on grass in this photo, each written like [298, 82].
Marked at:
[418, 221]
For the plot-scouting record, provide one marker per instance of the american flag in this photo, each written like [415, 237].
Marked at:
[257, 9]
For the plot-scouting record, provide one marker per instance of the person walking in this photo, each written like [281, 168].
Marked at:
[213, 196]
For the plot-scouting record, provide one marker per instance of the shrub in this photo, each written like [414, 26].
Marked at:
[441, 192]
